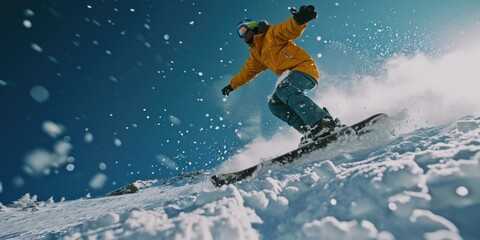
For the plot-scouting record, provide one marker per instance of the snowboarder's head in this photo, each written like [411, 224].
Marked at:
[246, 29]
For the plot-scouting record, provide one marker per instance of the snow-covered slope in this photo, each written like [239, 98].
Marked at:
[420, 185]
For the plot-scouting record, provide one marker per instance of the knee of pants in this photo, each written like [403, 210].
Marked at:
[285, 90]
[283, 87]
[282, 91]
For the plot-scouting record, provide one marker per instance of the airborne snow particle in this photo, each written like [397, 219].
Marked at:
[166, 37]
[117, 142]
[88, 137]
[27, 23]
[175, 121]
[39, 93]
[3, 83]
[98, 181]
[102, 166]
[319, 55]
[52, 59]
[53, 129]
[18, 182]
[319, 38]
[1, 187]
[70, 167]
[462, 191]
[113, 79]
[166, 161]
[392, 206]
[36, 47]
[62, 149]
[200, 74]
[333, 201]
[29, 13]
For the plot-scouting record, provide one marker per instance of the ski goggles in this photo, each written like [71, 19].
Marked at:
[242, 30]
[244, 26]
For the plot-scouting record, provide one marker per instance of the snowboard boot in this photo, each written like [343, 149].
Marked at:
[322, 128]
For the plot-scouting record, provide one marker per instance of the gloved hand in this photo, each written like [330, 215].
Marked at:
[226, 90]
[305, 14]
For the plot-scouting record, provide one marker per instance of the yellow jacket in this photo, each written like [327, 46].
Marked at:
[276, 51]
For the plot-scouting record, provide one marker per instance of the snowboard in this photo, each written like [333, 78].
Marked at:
[358, 129]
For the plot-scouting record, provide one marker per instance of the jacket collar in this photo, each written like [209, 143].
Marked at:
[261, 32]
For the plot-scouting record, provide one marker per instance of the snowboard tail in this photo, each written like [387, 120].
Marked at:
[359, 129]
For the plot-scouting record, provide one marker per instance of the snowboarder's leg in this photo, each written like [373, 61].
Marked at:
[291, 91]
[286, 114]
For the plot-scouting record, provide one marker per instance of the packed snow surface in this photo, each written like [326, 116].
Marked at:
[418, 185]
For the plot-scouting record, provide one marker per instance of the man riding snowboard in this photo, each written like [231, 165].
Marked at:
[272, 47]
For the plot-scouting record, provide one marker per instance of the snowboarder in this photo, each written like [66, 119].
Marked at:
[272, 47]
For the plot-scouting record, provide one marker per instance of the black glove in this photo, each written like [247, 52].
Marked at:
[305, 14]
[226, 90]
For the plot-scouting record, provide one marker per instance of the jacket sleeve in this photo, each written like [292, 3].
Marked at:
[250, 70]
[287, 30]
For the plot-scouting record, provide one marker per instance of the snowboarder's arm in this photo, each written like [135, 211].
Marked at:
[249, 71]
[287, 30]
[293, 27]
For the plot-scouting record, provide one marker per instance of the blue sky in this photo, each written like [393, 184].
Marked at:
[134, 86]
